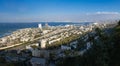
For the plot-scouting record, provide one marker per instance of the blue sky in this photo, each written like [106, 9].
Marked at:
[57, 10]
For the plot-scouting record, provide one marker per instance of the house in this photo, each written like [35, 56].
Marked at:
[88, 45]
[46, 31]
[65, 47]
[38, 61]
[40, 53]
[29, 47]
[74, 44]
[52, 41]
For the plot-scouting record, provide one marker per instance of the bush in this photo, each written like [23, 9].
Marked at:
[2, 60]
[119, 22]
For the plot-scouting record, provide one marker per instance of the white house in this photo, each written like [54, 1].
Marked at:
[30, 48]
[52, 41]
[46, 31]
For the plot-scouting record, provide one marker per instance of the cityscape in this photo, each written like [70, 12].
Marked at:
[59, 38]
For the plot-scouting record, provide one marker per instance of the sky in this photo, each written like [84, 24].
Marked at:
[58, 10]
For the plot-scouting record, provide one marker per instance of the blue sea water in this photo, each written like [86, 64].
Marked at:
[7, 28]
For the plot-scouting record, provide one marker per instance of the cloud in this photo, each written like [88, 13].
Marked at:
[90, 17]
[108, 13]
[102, 16]
[103, 13]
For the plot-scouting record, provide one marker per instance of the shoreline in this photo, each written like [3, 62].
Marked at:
[30, 25]
[20, 36]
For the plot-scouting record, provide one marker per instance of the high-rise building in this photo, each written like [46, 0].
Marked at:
[43, 43]
[40, 26]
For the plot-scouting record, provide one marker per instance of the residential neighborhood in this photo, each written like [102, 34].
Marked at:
[48, 47]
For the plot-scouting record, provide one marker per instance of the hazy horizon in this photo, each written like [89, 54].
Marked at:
[59, 10]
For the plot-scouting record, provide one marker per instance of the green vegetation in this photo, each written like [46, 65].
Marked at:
[64, 41]
[13, 64]
[105, 50]
[36, 36]
[2, 60]
[34, 46]
[119, 22]
[115, 54]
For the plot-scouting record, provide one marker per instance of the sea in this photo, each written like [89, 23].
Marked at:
[7, 28]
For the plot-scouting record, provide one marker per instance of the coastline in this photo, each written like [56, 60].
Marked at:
[8, 28]
[22, 36]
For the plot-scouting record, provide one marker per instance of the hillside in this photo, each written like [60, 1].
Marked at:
[105, 51]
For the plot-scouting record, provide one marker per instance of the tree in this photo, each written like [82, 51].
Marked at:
[2, 60]
[115, 54]
[119, 22]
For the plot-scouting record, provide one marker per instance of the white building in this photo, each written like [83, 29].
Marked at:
[81, 27]
[30, 46]
[46, 31]
[69, 26]
[52, 41]
[4, 40]
[95, 23]
[43, 43]
[40, 26]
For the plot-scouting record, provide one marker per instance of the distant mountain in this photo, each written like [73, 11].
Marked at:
[89, 17]
[103, 16]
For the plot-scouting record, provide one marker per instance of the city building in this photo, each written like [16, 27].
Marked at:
[38, 61]
[40, 53]
[43, 43]
[65, 47]
[40, 26]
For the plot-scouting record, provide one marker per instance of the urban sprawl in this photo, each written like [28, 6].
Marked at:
[46, 44]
